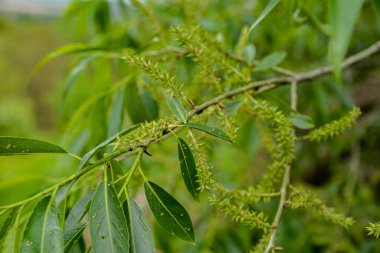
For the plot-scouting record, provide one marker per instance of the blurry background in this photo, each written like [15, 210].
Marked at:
[344, 172]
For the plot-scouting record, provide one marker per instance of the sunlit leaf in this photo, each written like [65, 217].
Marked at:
[301, 121]
[343, 17]
[169, 213]
[108, 226]
[270, 61]
[210, 130]
[22, 146]
[264, 13]
[188, 168]
[177, 108]
[141, 239]
[43, 232]
[8, 222]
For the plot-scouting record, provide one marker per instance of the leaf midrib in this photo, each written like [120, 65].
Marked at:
[159, 200]
[187, 167]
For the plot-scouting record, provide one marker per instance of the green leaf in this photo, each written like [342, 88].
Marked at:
[116, 172]
[90, 154]
[270, 61]
[141, 239]
[78, 211]
[8, 223]
[22, 146]
[343, 17]
[108, 227]
[177, 108]
[67, 50]
[72, 235]
[210, 130]
[263, 14]
[75, 72]
[376, 5]
[188, 168]
[116, 116]
[141, 106]
[249, 53]
[301, 121]
[169, 213]
[43, 232]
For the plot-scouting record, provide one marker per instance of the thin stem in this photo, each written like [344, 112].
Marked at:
[277, 218]
[136, 163]
[293, 95]
[65, 181]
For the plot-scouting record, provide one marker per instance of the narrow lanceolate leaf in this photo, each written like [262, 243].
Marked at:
[301, 121]
[78, 211]
[270, 61]
[90, 154]
[210, 130]
[343, 17]
[169, 213]
[141, 239]
[108, 227]
[22, 146]
[188, 168]
[8, 223]
[72, 235]
[263, 14]
[177, 108]
[43, 232]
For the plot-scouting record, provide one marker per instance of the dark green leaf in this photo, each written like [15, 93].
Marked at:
[263, 14]
[141, 239]
[78, 211]
[88, 156]
[43, 232]
[23, 146]
[301, 121]
[169, 213]
[177, 108]
[8, 223]
[188, 168]
[343, 17]
[210, 130]
[108, 227]
[72, 235]
[270, 61]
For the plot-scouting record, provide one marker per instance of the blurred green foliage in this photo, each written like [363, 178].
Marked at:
[102, 95]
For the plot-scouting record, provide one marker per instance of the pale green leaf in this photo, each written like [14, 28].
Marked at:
[177, 108]
[301, 121]
[6, 225]
[188, 168]
[210, 130]
[343, 17]
[90, 154]
[169, 213]
[264, 13]
[108, 226]
[43, 232]
[141, 238]
[22, 146]
[249, 53]
[270, 61]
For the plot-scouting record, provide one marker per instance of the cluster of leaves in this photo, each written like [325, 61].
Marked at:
[160, 91]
